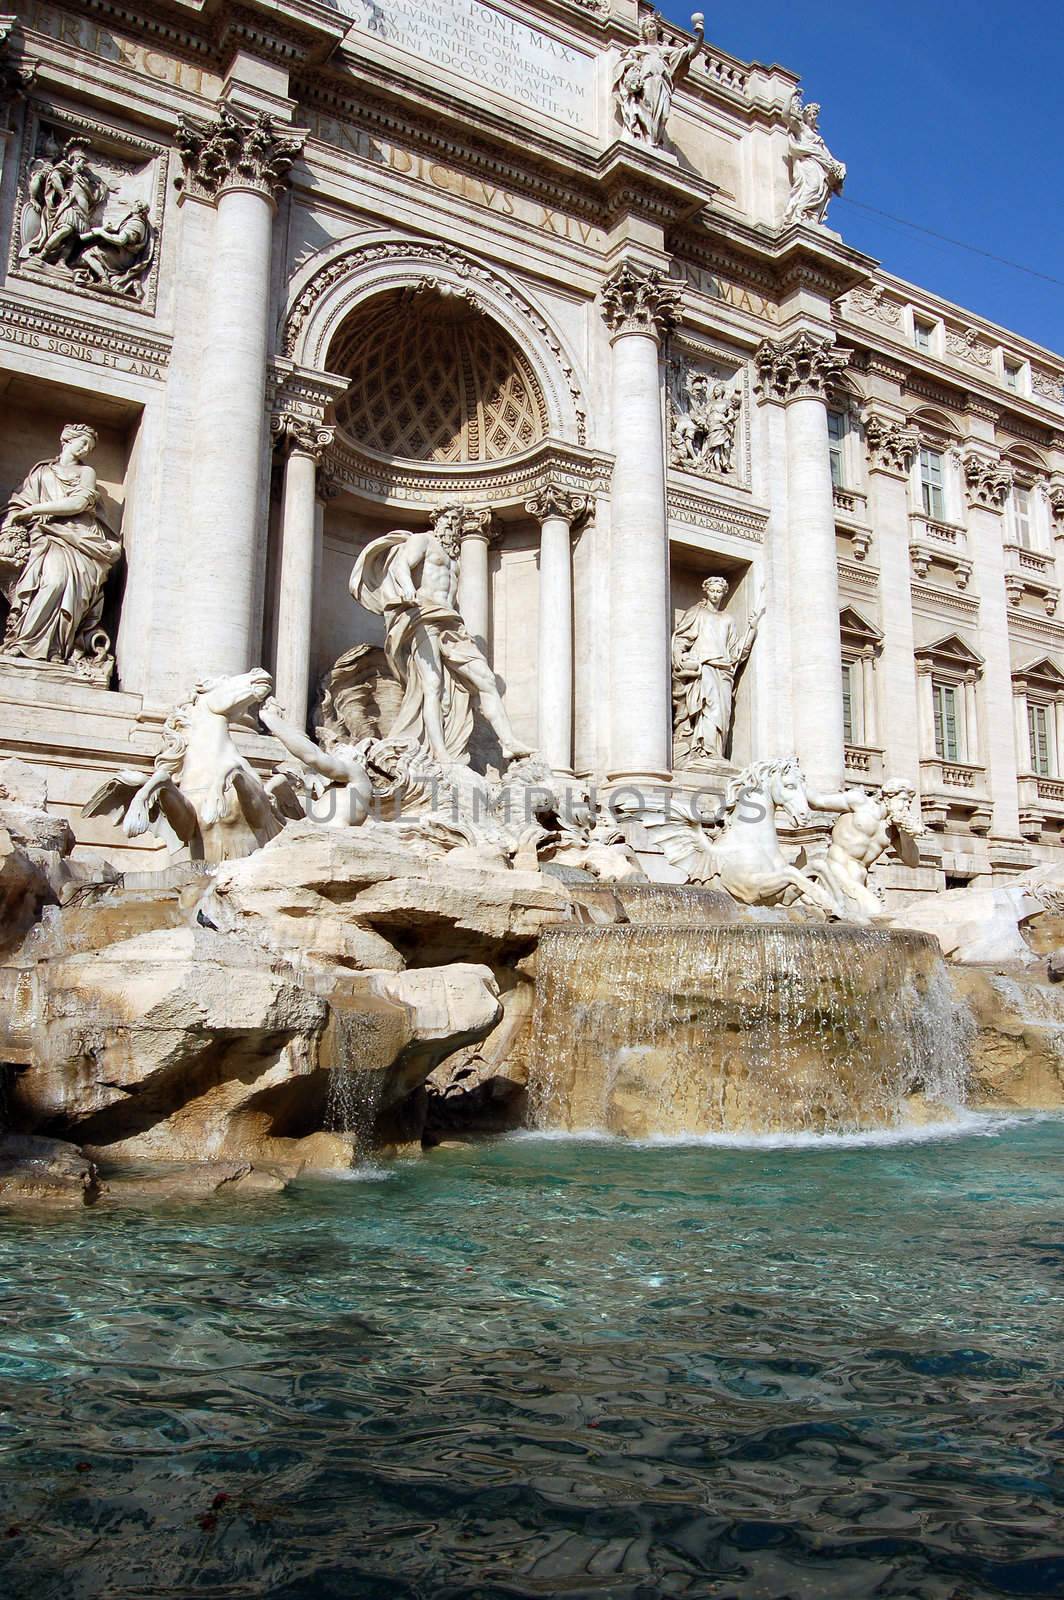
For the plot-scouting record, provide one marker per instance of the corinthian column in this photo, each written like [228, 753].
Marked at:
[557, 511]
[474, 583]
[891, 447]
[988, 483]
[304, 444]
[240, 165]
[797, 373]
[640, 307]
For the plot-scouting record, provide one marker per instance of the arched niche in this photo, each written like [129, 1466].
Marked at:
[330, 289]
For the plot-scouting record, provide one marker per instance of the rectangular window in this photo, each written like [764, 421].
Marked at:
[836, 449]
[947, 744]
[922, 335]
[932, 485]
[847, 703]
[1021, 515]
[1012, 376]
[1038, 729]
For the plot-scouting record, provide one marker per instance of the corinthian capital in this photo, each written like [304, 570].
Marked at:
[891, 445]
[310, 438]
[987, 480]
[636, 300]
[1055, 496]
[229, 152]
[804, 367]
[15, 80]
[553, 500]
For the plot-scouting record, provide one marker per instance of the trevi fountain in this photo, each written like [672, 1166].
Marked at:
[519, 1073]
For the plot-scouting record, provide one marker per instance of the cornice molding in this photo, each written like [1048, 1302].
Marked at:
[511, 482]
[716, 516]
[57, 333]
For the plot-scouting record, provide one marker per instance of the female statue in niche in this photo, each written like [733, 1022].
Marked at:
[62, 553]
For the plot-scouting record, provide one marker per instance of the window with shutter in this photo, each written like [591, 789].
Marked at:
[1038, 729]
[947, 745]
[932, 484]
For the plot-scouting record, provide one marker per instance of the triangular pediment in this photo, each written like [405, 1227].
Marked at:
[857, 630]
[952, 651]
[1044, 672]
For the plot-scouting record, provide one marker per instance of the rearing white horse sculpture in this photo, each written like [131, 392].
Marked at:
[745, 857]
[208, 793]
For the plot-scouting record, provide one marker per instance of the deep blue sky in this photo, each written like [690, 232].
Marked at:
[949, 113]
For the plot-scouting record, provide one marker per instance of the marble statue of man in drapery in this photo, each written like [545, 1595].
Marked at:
[647, 77]
[411, 580]
[62, 552]
[707, 654]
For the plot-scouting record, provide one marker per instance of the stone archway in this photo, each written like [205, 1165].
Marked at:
[332, 287]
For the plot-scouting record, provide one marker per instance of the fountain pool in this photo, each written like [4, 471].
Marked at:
[740, 1369]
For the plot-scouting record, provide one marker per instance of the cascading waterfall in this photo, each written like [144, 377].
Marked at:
[669, 1029]
[354, 1095]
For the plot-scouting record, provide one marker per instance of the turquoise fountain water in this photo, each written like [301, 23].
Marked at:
[551, 1367]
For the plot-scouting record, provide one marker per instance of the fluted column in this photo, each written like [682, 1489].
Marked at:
[239, 163]
[988, 484]
[798, 373]
[304, 445]
[640, 307]
[891, 448]
[1019, 712]
[925, 699]
[474, 578]
[557, 511]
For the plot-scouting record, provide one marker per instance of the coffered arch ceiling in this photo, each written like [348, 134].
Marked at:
[434, 379]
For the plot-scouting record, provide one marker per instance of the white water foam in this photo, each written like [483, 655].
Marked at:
[963, 1125]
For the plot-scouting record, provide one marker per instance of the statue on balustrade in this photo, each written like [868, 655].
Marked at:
[707, 656]
[57, 553]
[867, 827]
[411, 580]
[815, 174]
[64, 227]
[647, 77]
[704, 420]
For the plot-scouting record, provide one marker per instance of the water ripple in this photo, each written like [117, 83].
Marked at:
[551, 1368]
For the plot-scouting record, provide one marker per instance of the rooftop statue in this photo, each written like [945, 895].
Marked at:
[815, 174]
[647, 76]
[411, 580]
[57, 553]
[707, 655]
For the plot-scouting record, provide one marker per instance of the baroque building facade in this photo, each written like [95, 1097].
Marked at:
[284, 276]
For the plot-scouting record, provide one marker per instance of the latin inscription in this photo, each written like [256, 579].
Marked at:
[77, 350]
[730, 294]
[479, 191]
[83, 34]
[491, 49]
